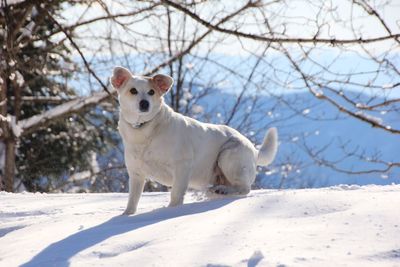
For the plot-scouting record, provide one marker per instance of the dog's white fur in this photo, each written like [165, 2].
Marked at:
[179, 151]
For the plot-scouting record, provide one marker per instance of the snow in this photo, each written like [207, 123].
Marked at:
[13, 2]
[369, 117]
[27, 30]
[337, 226]
[14, 126]
[183, 102]
[197, 109]
[12, 123]
[2, 154]
[63, 109]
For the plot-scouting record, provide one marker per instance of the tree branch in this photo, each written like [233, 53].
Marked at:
[341, 108]
[276, 39]
[80, 54]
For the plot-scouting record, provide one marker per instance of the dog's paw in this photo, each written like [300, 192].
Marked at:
[173, 204]
[220, 190]
[228, 190]
[128, 212]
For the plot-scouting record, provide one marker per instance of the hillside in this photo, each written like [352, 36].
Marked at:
[337, 226]
[302, 120]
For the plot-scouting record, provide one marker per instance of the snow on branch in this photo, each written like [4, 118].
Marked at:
[74, 106]
[12, 125]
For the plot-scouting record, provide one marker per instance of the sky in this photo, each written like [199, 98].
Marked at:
[295, 16]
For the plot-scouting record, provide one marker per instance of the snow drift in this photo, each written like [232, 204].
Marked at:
[337, 226]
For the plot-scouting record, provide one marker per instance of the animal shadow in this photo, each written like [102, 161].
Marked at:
[61, 252]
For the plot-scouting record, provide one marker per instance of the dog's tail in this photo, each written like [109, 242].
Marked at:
[269, 147]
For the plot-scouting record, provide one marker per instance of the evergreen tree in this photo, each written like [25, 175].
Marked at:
[37, 68]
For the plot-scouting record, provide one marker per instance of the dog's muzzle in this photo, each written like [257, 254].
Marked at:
[144, 105]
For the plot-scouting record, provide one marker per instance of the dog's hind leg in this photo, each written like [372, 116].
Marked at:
[237, 162]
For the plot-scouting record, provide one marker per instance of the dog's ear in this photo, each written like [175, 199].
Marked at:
[120, 76]
[162, 82]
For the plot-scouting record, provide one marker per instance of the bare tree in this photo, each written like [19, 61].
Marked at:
[20, 29]
[275, 46]
[317, 39]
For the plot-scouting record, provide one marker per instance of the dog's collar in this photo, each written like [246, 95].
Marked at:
[137, 125]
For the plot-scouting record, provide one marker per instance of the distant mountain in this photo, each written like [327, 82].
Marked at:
[305, 122]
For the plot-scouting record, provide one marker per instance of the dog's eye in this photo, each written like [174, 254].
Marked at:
[133, 91]
[151, 92]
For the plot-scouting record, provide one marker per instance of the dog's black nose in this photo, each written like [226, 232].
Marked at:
[144, 105]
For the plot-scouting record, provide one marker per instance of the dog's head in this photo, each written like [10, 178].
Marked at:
[140, 97]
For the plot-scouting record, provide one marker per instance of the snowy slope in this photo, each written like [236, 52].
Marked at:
[338, 226]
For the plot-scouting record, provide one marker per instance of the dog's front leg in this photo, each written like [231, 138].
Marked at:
[136, 184]
[179, 186]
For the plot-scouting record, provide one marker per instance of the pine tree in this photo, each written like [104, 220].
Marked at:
[36, 68]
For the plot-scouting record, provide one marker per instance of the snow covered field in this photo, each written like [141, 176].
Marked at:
[337, 226]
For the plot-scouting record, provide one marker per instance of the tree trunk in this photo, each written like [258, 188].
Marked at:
[9, 141]
[9, 165]
[3, 128]
[2, 157]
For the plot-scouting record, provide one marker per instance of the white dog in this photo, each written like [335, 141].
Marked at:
[179, 151]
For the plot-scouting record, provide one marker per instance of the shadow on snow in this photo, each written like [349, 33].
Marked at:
[60, 253]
